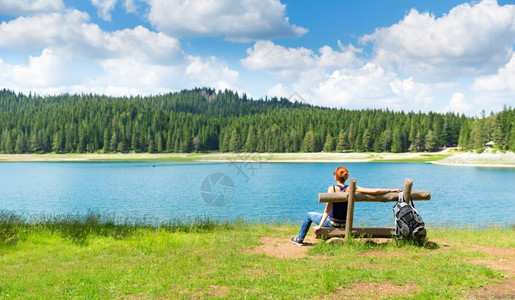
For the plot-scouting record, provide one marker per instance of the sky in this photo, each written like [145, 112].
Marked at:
[425, 55]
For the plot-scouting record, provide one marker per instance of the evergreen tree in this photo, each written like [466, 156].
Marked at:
[234, 142]
[350, 137]
[196, 144]
[151, 147]
[121, 147]
[159, 143]
[106, 141]
[397, 140]
[114, 142]
[386, 141]
[20, 144]
[342, 142]
[251, 143]
[328, 145]
[9, 144]
[309, 142]
[431, 141]
[56, 142]
[366, 141]
[169, 142]
[419, 142]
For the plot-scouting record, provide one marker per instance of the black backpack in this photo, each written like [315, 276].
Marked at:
[408, 222]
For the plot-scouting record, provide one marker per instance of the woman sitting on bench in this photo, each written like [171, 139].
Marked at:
[335, 214]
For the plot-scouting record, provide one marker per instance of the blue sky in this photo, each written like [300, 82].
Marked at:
[402, 55]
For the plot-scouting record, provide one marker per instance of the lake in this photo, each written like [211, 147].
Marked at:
[253, 192]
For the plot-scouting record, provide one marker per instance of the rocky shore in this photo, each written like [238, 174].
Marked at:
[488, 158]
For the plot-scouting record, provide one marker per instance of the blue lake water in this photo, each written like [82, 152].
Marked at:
[261, 191]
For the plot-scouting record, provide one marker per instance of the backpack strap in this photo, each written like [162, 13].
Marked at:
[397, 231]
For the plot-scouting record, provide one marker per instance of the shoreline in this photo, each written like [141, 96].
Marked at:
[473, 165]
[229, 157]
[446, 158]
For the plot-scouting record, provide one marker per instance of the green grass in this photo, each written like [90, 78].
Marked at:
[422, 159]
[94, 257]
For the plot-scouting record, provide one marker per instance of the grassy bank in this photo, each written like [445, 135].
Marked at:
[264, 157]
[77, 257]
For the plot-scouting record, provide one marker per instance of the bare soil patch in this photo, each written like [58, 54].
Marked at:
[502, 259]
[218, 291]
[282, 247]
[503, 290]
[283, 228]
[372, 290]
[496, 251]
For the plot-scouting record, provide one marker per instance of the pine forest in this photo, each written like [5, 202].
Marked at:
[206, 120]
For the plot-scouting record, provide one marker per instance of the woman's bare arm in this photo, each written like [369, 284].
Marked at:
[375, 191]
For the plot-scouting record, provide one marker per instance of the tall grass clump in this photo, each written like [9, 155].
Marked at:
[9, 228]
[79, 227]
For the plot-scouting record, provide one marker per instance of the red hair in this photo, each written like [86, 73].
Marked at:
[341, 174]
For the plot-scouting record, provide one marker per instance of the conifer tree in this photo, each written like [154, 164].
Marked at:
[342, 142]
[114, 142]
[309, 142]
[328, 145]
[366, 140]
[251, 143]
[431, 141]
[151, 147]
[396, 140]
[234, 142]
[20, 144]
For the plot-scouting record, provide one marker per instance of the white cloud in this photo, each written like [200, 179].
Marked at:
[368, 86]
[237, 20]
[494, 91]
[104, 8]
[457, 104]
[49, 69]
[51, 73]
[78, 56]
[29, 6]
[416, 65]
[503, 81]
[265, 55]
[413, 94]
[130, 6]
[72, 32]
[336, 78]
[25, 32]
[470, 39]
[211, 72]
[289, 63]
[279, 91]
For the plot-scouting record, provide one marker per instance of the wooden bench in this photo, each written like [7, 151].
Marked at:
[337, 234]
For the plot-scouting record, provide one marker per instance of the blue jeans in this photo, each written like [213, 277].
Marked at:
[310, 218]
